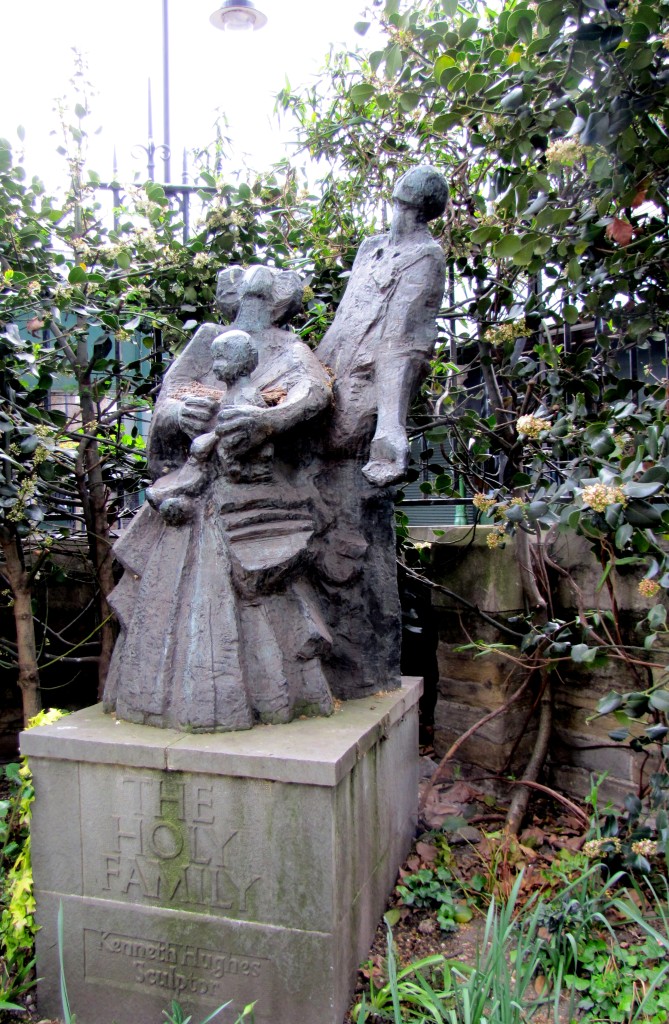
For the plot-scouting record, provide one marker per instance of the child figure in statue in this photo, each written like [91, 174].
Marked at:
[235, 357]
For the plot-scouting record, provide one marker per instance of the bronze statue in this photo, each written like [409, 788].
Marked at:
[260, 575]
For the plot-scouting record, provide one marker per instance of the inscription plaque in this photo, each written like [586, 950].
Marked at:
[141, 964]
[202, 844]
[165, 843]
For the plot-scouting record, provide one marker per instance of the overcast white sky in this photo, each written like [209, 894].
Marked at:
[210, 70]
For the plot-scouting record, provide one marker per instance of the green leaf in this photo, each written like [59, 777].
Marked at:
[362, 93]
[394, 61]
[475, 83]
[521, 25]
[570, 314]
[550, 10]
[409, 101]
[484, 234]
[582, 654]
[524, 256]
[441, 64]
[443, 122]
[156, 193]
[468, 28]
[507, 246]
[643, 59]
[637, 489]
[513, 99]
[642, 513]
[77, 275]
[657, 616]
[123, 260]
[660, 700]
[537, 509]
[361, 27]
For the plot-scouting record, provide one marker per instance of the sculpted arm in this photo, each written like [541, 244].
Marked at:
[176, 421]
[401, 363]
[242, 428]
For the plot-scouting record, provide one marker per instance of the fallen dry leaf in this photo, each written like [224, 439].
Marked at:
[427, 852]
[567, 842]
[533, 836]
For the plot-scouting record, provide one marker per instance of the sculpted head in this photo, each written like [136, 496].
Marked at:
[281, 289]
[424, 189]
[235, 356]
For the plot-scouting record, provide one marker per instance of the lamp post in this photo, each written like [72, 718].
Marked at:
[166, 91]
[233, 15]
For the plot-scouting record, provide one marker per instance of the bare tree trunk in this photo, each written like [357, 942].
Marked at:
[95, 496]
[521, 796]
[21, 587]
[92, 489]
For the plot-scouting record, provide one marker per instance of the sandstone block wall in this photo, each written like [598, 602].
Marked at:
[471, 686]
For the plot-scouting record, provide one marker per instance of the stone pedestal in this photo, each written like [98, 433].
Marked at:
[244, 866]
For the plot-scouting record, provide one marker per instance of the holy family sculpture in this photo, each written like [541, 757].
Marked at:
[260, 580]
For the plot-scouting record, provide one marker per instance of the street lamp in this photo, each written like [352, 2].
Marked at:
[233, 15]
[238, 15]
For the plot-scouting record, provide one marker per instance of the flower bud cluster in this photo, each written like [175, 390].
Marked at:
[598, 497]
[601, 847]
[645, 847]
[532, 426]
[501, 333]
[564, 151]
[648, 588]
[482, 502]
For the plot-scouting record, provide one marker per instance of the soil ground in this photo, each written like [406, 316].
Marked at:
[472, 821]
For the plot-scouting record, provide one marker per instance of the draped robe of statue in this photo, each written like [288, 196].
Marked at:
[220, 626]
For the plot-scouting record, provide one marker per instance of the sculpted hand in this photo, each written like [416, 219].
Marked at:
[195, 414]
[389, 458]
[241, 428]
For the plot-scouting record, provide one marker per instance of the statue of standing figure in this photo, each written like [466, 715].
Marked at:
[378, 348]
[260, 576]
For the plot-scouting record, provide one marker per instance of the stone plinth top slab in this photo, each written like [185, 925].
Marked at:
[271, 752]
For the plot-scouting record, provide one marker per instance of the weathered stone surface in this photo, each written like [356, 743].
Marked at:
[489, 747]
[260, 577]
[485, 681]
[577, 782]
[466, 565]
[237, 866]
[574, 553]
[470, 687]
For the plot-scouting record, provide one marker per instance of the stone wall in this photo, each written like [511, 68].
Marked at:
[470, 686]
